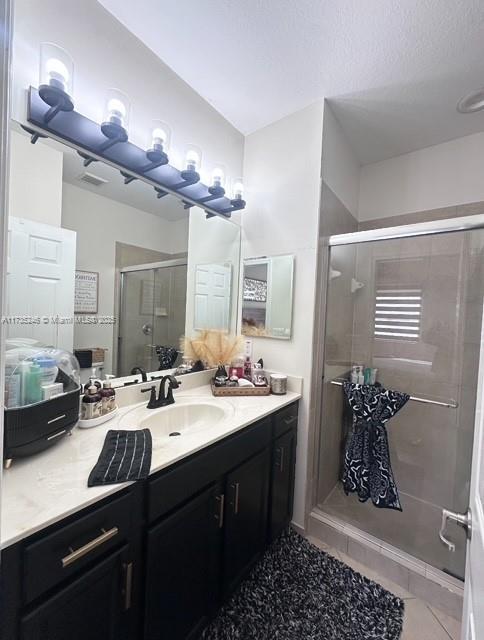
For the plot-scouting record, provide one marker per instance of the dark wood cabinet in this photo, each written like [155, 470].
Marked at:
[183, 568]
[157, 559]
[93, 606]
[282, 482]
[245, 517]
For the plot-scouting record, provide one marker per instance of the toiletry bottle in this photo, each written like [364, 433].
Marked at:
[34, 384]
[248, 368]
[12, 382]
[91, 406]
[24, 370]
[93, 381]
[48, 368]
[108, 398]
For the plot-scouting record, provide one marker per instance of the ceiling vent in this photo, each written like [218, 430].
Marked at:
[92, 179]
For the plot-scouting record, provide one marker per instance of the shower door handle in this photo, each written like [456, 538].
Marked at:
[462, 519]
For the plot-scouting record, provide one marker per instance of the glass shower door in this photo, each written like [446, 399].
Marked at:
[169, 308]
[137, 320]
[411, 308]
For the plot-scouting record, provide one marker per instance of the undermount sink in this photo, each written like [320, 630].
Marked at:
[186, 417]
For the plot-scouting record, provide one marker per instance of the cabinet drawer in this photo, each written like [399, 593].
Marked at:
[60, 554]
[189, 477]
[285, 419]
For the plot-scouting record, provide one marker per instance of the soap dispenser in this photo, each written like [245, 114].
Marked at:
[91, 406]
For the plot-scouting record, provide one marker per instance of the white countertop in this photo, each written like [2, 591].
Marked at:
[49, 486]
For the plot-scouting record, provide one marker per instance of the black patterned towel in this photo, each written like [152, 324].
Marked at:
[126, 455]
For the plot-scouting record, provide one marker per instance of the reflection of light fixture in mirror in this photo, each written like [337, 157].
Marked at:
[216, 187]
[159, 142]
[238, 201]
[193, 157]
[116, 118]
[472, 103]
[55, 79]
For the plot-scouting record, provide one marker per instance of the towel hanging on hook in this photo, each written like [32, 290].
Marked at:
[367, 467]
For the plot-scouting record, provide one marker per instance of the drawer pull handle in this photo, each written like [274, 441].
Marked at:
[128, 585]
[56, 435]
[290, 420]
[56, 419]
[220, 517]
[76, 554]
[236, 499]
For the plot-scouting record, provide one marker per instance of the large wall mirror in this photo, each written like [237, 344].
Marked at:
[267, 297]
[103, 267]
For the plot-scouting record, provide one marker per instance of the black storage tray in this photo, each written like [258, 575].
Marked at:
[36, 427]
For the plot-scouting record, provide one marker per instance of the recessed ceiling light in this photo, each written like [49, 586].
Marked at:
[472, 102]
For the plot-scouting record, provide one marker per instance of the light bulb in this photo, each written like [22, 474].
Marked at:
[158, 137]
[56, 70]
[192, 160]
[238, 190]
[116, 112]
[57, 73]
[116, 109]
[218, 177]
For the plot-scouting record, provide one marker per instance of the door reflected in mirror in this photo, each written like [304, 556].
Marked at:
[111, 271]
[267, 297]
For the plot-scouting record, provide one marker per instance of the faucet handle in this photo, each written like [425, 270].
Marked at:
[152, 401]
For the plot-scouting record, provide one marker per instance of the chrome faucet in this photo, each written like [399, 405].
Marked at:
[162, 400]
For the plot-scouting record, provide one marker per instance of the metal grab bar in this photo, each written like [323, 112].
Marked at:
[452, 404]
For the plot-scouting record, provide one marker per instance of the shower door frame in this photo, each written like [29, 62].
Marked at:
[434, 227]
[121, 273]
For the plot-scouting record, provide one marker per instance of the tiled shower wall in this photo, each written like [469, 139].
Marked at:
[430, 445]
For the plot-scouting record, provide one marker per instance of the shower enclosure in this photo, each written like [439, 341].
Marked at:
[409, 306]
[152, 313]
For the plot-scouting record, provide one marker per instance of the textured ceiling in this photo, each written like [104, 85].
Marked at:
[394, 69]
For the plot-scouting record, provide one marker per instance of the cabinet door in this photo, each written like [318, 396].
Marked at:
[282, 482]
[93, 606]
[246, 517]
[182, 568]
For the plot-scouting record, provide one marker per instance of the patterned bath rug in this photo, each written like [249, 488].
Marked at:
[298, 592]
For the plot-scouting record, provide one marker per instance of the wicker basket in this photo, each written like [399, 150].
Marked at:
[240, 391]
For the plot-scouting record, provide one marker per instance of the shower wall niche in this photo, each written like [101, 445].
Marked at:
[412, 309]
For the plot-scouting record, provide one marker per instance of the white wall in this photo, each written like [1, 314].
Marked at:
[92, 217]
[341, 170]
[282, 176]
[440, 176]
[107, 55]
[35, 187]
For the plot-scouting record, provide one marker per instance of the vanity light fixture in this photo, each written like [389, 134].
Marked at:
[56, 79]
[108, 141]
[116, 118]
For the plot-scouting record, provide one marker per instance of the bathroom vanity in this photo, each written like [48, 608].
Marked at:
[154, 559]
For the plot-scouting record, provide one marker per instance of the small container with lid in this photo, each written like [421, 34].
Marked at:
[278, 384]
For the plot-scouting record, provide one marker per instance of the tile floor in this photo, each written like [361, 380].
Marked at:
[421, 622]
